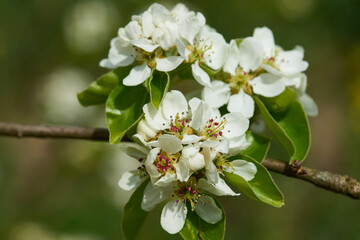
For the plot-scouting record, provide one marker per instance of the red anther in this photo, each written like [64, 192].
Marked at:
[172, 168]
[216, 123]
[189, 188]
[193, 191]
[220, 133]
[211, 120]
[158, 154]
[195, 202]
[202, 55]
[244, 73]
[177, 201]
[221, 167]
[139, 168]
[210, 131]
[209, 126]
[187, 120]
[183, 124]
[141, 159]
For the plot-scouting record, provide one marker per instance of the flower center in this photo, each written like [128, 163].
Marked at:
[142, 170]
[180, 126]
[149, 57]
[240, 81]
[221, 162]
[164, 162]
[213, 129]
[186, 192]
[198, 50]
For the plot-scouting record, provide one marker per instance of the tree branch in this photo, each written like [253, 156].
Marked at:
[334, 182]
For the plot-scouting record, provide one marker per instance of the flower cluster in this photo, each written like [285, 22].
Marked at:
[185, 146]
[162, 39]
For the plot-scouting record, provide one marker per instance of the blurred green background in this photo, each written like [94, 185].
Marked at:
[67, 189]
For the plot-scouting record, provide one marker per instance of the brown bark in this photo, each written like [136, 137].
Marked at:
[334, 182]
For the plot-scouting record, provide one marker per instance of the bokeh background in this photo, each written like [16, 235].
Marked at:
[67, 189]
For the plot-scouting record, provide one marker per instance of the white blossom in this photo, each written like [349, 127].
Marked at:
[147, 41]
[173, 215]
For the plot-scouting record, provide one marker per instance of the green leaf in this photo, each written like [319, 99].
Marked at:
[98, 91]
[124, 109]
[258, 148]
[291, 128]
[281, 102]
[196, 228]
[261, 187]
[158, 87]
[133, 216]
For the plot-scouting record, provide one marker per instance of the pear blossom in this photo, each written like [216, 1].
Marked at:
[130, 180]
[217, 164]
[257, 65]
[199, 44]
[173, 215]
[148, 41]
[199, 124]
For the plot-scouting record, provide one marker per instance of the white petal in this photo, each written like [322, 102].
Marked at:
[214, 57]
[188, 139]
[191, 26]
[134, 150]
[173, 103]
[147, 24]
[223, 146]
[145, 130]
[145, 44]
[120, 55]
[130, 180]
[183, 51]
[291, 62]
[105, 63]
[244, 169]
[149, 164]
[266, 37]
[154, 195]
[211, 171]
[166, 180]
[237, 144]
[272, 70]
[309, 105]
[182, 170]
[207, 209]
[170, 143]
[169, 63]
[220, 188]
[268, 85]
[137, 75]
[200, 75]
[200, 115]
[236, 125]
[155, 117]
[133, 30]
[197, 162]
[217, 94]
[241, 103]
[173, 216]
[251, 54]
[232, 60]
